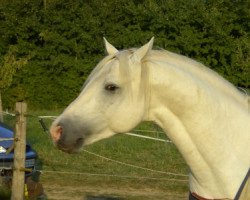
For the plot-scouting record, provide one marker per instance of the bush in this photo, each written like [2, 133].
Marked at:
[64, 40]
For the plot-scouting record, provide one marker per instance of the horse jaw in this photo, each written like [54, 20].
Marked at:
[99, 136]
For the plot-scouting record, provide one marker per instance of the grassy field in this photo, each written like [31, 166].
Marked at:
[74, 176]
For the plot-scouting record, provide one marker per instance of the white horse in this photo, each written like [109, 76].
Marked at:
[203, 114]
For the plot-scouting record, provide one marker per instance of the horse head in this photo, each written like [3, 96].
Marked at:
[112, 100]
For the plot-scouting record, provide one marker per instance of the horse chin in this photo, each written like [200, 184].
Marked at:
[71, 149]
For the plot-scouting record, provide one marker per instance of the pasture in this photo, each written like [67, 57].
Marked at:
[74, 176]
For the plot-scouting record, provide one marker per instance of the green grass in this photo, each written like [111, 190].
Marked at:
[4, 193]
[132, 150]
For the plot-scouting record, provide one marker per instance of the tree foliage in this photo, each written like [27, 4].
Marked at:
[65, 38]
[9, 66]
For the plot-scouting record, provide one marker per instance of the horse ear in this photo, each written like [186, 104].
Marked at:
[141, 52]
[109, 47]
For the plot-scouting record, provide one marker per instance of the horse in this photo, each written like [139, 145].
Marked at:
[204, 115]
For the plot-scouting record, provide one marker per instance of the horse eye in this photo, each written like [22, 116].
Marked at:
[111, 87]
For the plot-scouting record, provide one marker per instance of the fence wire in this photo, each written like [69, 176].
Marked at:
[113, 175]
[40, 119]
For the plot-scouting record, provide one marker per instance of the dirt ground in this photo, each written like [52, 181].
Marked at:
[58, 192]
[66, 190]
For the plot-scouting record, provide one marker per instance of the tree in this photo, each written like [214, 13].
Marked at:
[9, 65]
[65, 38]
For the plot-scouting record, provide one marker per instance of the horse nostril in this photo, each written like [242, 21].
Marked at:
[56, 133]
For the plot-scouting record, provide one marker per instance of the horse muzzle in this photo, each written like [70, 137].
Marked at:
[65, 139]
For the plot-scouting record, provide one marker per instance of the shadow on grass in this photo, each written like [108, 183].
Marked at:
[89, 197]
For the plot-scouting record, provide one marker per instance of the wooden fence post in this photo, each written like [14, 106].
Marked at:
[1, 108]
[19, 153]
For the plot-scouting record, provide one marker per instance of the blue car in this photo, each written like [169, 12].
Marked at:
[6, 160]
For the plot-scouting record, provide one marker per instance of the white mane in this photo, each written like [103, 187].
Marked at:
[198, 71]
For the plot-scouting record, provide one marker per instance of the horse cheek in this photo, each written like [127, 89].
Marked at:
[124, 118]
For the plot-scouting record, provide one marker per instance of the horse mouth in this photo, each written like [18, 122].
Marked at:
[73, 148]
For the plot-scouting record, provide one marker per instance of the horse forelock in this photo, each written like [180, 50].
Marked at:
[124, 69]
[124, 58]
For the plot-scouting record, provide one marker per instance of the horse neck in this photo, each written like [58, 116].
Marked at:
[193, 113]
